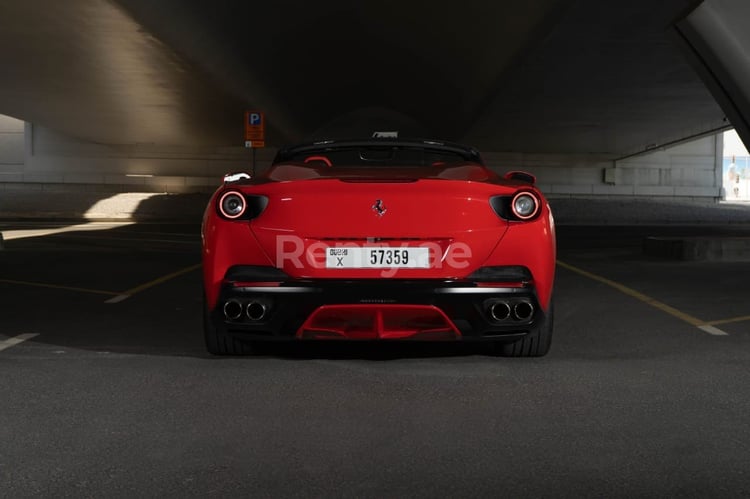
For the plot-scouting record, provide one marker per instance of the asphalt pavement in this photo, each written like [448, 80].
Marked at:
[106, 389]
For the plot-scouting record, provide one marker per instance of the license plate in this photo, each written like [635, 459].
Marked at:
[378, 258]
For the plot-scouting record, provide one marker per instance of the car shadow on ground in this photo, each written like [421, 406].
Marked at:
[370, 350]
[278, 350]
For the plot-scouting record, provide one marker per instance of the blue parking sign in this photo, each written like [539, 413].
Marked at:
[255, 129]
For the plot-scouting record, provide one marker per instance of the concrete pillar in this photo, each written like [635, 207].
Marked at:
[716, 39]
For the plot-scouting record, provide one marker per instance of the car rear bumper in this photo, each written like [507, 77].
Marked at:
[378, 309]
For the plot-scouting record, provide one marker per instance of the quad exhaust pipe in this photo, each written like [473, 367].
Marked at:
[232, 310]
[523, 310]
[255, 311]
[502, 311]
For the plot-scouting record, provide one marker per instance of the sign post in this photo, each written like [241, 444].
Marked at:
[255, 131]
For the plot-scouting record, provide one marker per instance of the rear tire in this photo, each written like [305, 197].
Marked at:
[219, 342]
[534, 344]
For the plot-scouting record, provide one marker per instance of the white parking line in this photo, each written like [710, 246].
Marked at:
[118, 298]
[11, 342]
[712, 330]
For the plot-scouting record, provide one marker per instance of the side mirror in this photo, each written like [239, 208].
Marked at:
[232, 178]
[519, 176]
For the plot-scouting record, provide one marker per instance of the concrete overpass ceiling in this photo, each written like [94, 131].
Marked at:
[609, 78]
[535, 76]
[717, 42]
[433, 62]
[85, 67]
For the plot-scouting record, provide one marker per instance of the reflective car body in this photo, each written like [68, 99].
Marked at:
[379, 239]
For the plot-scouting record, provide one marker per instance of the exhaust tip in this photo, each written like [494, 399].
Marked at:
[255, 311]
[500, 311]
[523, 310]
[232, 310]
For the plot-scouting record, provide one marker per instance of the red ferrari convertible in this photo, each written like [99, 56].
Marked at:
[379, 239]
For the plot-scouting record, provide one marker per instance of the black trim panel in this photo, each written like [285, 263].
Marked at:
[290, 303]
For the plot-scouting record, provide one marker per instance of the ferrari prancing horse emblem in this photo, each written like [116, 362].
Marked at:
[379, 208]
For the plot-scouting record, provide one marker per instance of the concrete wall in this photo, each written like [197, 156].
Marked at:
[11, 147]
[59, 160]
[689, 170]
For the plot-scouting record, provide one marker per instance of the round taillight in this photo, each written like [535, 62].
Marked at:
[232, 204]
[525, 205]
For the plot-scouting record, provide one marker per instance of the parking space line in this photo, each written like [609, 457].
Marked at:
[16, 340]
[127, 294]
[704, 326]
[56, 286]
[117, 299]
[712, 330]
[729, 321]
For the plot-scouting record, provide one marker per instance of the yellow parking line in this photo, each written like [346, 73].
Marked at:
[55, 286]
[729, 321]
[127, 294]
[707, 327]
[116, 296]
